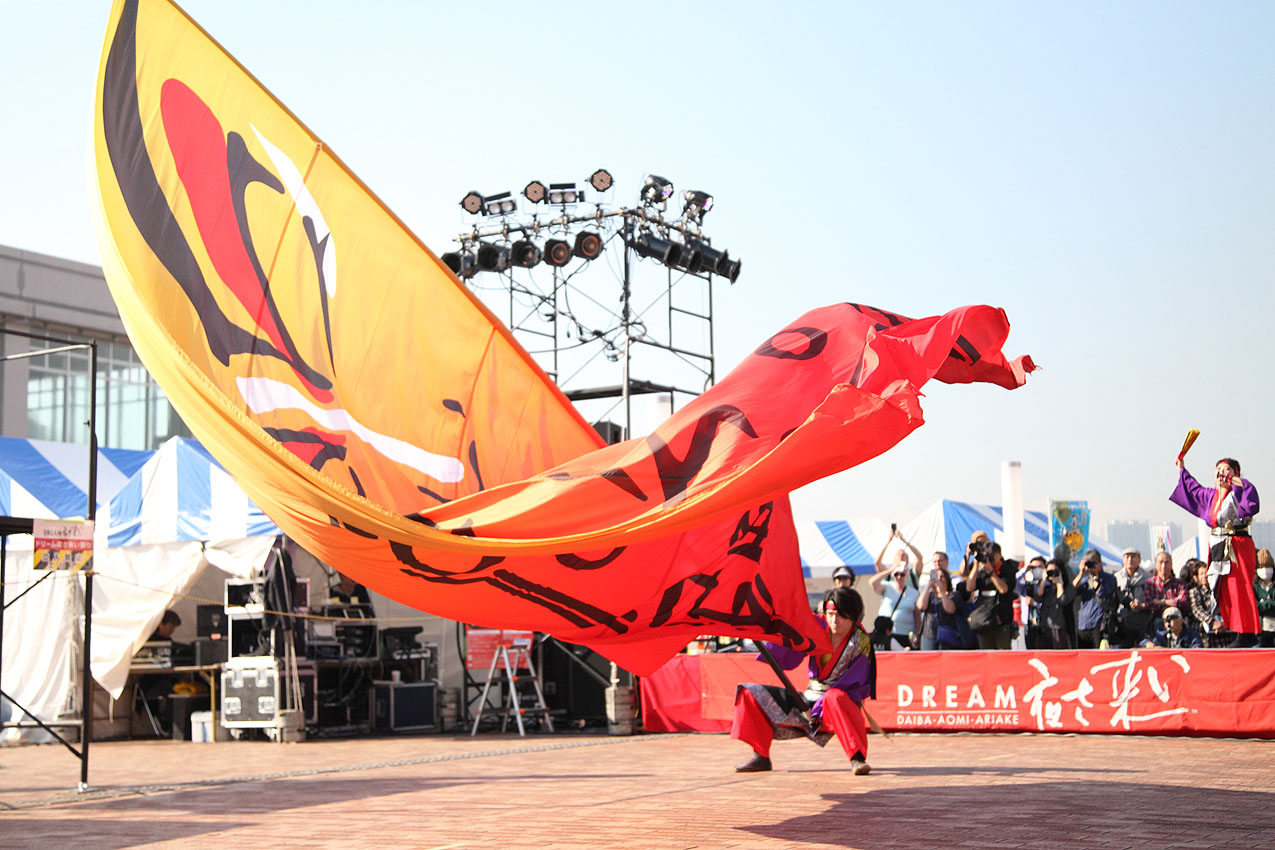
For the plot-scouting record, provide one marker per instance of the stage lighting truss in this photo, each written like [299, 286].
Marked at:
[677, 243]
[538, 249]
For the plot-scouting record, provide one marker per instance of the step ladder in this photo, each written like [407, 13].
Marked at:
[511, 660]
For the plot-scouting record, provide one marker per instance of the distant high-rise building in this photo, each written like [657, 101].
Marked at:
[1123, 533]
[1263, 532]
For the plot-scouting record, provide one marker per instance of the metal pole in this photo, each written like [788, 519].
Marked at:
[624, 322]
[86, 697]
[4, 557]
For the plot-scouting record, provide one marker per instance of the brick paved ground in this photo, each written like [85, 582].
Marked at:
[650, 792]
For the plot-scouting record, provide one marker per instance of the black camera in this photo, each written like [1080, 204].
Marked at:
[1051, 573]
[981, 550]
[1092, 564]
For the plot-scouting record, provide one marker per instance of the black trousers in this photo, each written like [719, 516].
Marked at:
[1089, 638]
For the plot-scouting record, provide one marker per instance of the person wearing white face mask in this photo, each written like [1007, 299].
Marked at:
[1264, 590]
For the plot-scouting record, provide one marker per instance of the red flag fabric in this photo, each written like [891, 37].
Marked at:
[386, 421]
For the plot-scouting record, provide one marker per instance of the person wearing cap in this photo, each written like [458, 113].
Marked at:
[1175, 634]
[1133, 616]
[843, 577]
[899, 595]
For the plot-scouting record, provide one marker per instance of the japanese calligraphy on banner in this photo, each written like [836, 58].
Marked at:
[1138, 691]
[63, 544]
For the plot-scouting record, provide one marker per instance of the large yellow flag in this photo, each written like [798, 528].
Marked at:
[385, 420]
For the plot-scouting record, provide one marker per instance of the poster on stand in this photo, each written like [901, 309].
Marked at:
[1069, 524]
[63, 544]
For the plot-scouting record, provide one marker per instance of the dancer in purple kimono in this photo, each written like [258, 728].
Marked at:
[839, 683]
[1228, 508]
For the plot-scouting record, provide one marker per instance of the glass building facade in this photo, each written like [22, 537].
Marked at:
[132, 411]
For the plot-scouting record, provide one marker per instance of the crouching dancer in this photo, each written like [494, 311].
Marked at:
[839, 683]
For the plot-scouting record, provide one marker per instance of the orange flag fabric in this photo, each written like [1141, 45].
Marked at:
[387, 421]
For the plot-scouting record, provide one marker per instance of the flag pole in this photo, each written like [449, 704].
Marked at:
[809, 726]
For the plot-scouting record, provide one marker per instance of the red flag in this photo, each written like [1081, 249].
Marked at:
[387, 422]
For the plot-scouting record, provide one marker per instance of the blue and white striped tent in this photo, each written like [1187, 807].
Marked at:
[828, 544]
[45, 480]
[945, 526]
[178, 493]
[181, 493]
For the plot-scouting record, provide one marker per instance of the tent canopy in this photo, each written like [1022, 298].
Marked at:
[945, 526]
[44, 480]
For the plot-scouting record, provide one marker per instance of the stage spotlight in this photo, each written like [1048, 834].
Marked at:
[656, 189]
[588, 245]
[697, 204]
[463, 265]
[557, 252]
[493, 258]
[525, 254]
[648, 245]
[715, 261]
[728, 268]
[689, 259]
[472, 203]
[499, 204]
[601, 180]
[711, 257]
[535, 192]
[563, 193]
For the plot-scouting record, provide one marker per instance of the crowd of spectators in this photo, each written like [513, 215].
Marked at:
[928, 607]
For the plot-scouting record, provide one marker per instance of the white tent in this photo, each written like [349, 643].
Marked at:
[157, 531]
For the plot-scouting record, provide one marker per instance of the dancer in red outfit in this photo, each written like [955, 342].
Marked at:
[1228, 508]
[839, 683]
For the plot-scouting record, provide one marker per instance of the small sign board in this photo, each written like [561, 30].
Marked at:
[63, 544]
[483, 644]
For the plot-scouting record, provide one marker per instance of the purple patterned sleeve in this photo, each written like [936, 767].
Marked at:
[788, 659]
[1246, 500]
[855, 680]
[1190, 495]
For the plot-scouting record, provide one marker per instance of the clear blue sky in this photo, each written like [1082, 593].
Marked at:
[1103, 171]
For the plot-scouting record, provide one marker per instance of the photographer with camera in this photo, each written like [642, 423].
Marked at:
[1029, 578]
[1134, 614]
[1096, 591]
[989, 580]
[899, 595]
[1055, 596]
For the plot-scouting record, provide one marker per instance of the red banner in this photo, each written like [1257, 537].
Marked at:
[1138, 691]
